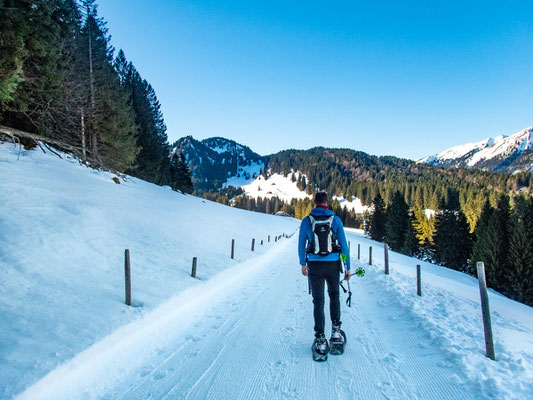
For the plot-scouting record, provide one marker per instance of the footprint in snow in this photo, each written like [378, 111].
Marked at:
[159, 375]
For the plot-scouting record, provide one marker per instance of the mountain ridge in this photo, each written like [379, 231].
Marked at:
[513, 153]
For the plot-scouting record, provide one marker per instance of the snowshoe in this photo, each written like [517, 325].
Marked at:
[337, 340]
[320, 348]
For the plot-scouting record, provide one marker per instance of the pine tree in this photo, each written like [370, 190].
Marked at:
[111, 129]
[14, 28]
[31, 66]
[153, 158]
[397, 222]
[377, 220]
[411, 246]
[488, 243]
[520, 273]
[503, 213]
[452, 240]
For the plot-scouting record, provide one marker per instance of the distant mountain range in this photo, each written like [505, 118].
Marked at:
[500, 154]
[218, 162]
[213, 161]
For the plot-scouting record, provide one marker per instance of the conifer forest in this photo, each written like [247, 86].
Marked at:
[62, 82]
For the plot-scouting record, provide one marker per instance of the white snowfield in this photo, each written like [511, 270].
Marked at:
[241, 331]
[276, 185]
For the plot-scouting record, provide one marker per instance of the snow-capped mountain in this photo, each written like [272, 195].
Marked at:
[213, 161]
[503, 153]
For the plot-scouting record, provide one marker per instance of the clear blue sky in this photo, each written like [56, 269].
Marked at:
[407, 78]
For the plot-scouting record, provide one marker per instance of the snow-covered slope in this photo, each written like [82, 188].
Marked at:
[502, 153]
[275, 185]
[353, 204]
[285, 188]
[63, 231]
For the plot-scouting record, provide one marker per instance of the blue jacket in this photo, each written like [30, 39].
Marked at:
[306, 235]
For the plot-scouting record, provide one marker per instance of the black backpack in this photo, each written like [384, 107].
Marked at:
[324, 240]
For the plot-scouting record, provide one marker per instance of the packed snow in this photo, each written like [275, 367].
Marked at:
[243, 329]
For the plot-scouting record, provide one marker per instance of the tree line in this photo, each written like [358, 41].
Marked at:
[346, 172]
[60, 79]
[502, 238]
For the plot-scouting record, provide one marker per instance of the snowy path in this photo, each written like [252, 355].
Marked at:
[248, 336]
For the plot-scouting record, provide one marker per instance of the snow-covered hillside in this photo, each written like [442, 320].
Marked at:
[283, 187]
[353, 204]
[502, 153]
[63, 231]
[275, 185]
[244, 328]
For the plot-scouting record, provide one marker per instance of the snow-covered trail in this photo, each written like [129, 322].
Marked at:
[247, 334]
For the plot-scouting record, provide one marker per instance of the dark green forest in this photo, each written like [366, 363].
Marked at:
[61, 83]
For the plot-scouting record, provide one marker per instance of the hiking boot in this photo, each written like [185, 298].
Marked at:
[338, 339]
[336, 334]
[320, 348]
[321, 344]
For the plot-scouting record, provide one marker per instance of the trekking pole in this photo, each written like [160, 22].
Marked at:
[308, 277]
[349, 299]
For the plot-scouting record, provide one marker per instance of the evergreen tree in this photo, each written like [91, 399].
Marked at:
[111, 129]
[397, 222]
[153, 158]
[520, 273]
[179, 174]
[452, 240]
[411, 246]
[376, 229]
[31, 66]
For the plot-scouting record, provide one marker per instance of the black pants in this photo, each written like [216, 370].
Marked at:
[320, 272]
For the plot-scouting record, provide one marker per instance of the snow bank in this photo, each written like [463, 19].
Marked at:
[449, 312]
[63, 231]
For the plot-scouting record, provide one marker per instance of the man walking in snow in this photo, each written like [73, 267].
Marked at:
[320, 245]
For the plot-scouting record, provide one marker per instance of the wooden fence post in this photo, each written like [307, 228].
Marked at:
[127, 275]
[193, 272]
[232, 248]
[358, 251]
[485, 309]
[253, 244]
[386, 248]
[370, 255]
[418, 281]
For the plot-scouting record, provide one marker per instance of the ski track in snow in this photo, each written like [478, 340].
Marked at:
[251, 338]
